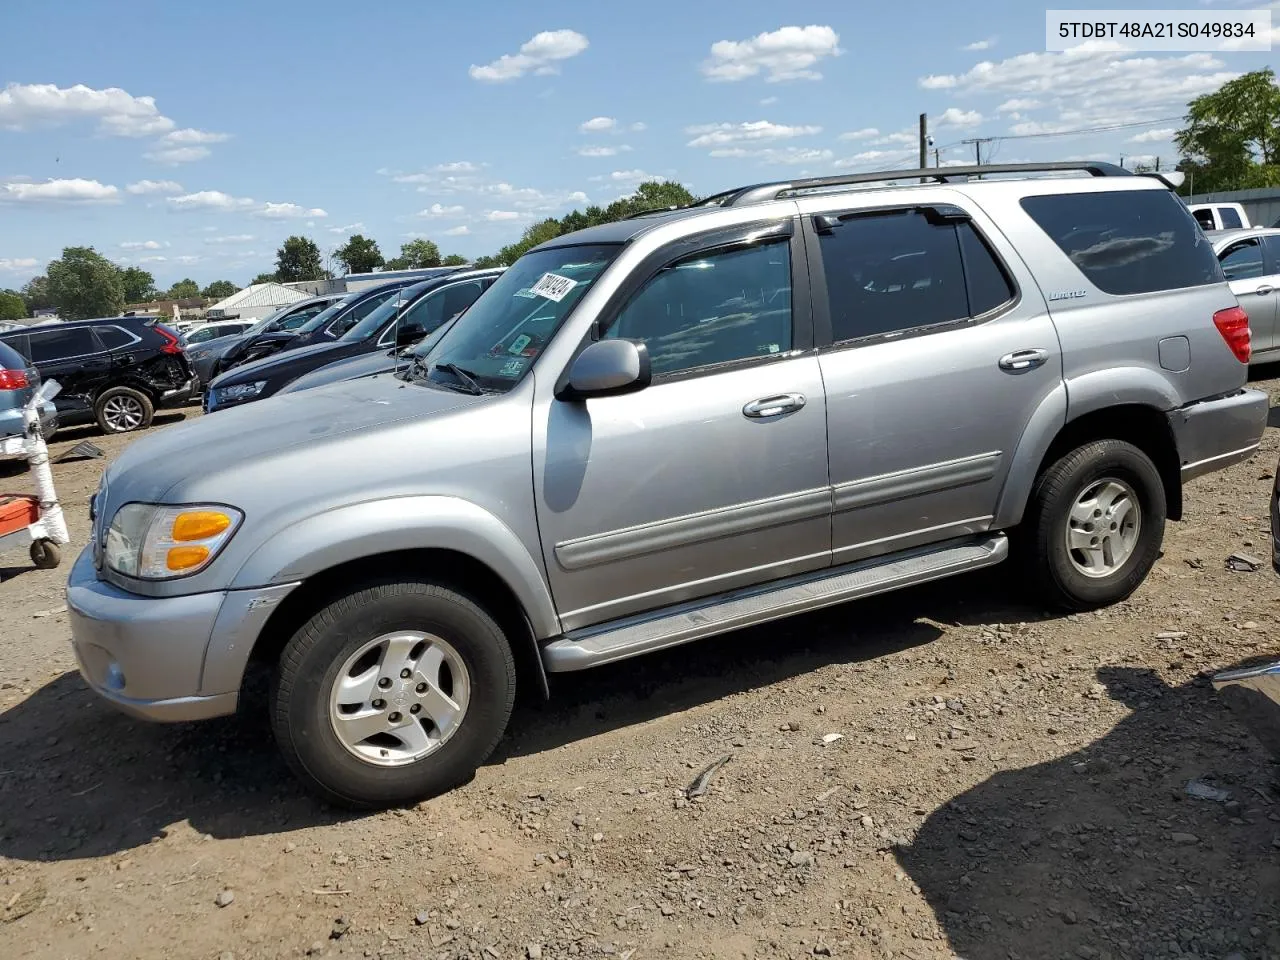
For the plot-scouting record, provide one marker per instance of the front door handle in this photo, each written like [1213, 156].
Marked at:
[1263, 290]
[1024, 359]
[775, 406]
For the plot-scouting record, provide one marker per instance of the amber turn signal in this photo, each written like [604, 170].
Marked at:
[184, 558]
[199, 525]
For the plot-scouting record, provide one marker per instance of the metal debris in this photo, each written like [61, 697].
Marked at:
[699, 785]
[1206, 791]
[1243, 563]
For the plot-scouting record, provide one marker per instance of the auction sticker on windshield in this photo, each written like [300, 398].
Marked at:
[553, 286]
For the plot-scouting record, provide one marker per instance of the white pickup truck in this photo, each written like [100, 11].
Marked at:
[1220, 216]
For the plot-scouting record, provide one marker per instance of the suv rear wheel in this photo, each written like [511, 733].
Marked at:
[392, 694]
[122, 409]
[1095, 524]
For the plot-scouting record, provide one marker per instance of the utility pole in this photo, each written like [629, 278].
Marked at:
[924, 140]
[977, 146]
[937, 158]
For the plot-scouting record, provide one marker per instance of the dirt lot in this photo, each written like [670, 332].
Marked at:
[1005, 784]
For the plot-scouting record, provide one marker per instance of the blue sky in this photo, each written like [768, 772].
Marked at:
[192, 138]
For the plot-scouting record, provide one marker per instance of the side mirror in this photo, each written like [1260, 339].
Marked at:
[607, 368]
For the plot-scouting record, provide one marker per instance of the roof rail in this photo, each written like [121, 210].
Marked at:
[763, 192]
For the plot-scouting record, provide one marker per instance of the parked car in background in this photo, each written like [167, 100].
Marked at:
[115, 371]
[669, 427]
[19, 381]
[404, 318]
[1251, 262]
[205, 358]
[398, 360]
[326, 326]
[1220, 216]
[214, 330]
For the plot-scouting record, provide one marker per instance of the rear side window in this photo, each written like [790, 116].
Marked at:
[1205, 219]
[62, 344]
[897, 271]
[1128, 241]
[20, 343]
[1230, 219]
[1243, 261]
[113, 338]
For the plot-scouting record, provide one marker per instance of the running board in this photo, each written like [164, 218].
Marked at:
[644, 633]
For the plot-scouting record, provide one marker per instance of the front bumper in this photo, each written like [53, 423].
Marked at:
[1214, 434]
[164, 658]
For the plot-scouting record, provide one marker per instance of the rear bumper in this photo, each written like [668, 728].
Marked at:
[1214, 434]
[179, 395]
[11, 421]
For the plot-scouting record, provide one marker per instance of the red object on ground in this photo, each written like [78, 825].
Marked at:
[17, 512]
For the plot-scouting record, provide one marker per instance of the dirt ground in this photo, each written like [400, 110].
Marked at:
[942, 772]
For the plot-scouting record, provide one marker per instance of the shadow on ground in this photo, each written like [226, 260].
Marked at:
[1101, 853]
[79, 780]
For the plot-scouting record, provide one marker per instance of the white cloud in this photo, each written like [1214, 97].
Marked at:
[768, 101]
[176, 155]
[866, 133]
[457, 166]
[497, 215]
[539, 56]
[1018, 104]
[347, 228]
[188, 258]
[143, 187]
[986, 44]
[118, 113]
[901, 137]
[786, 54]
[231, 238]
[577, 197]
[287, 211]
[864, 158]
[18, 263]
[626, 176]
[639, 126]
[440, 210]
[75, 190]
[602, 151]
[192, 135]
[152, 259]
[459, 231]
[955, 117]
[140, 245]
[1154, 136]
[775, 155]
[209, 200]
[720, 134]
[598, 125]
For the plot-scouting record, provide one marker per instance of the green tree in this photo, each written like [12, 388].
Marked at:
[359, 254]
[36, 293]
[1232, 137]
[84, 284]
[139, 285]
[298, 259]
[264, 278]
[219, 290]
[416, 255]
[454, 260]
[12, 306]
[184, 289]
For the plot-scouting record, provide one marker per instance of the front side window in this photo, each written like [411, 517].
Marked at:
[431, 311]
[317, 320]
[1128, 241]
[1205, 219]
[359, 312]
[713, 308]
[62, 344]
[1243, 261]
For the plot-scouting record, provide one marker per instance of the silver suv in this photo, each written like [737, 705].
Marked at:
[644, 433]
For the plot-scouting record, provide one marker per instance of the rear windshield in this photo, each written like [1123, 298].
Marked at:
[1128, 241]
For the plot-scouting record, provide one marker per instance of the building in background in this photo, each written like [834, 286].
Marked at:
[254, 302]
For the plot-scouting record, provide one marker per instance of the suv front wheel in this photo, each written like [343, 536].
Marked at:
[1094, 526]
[393, 693]
[122, 409]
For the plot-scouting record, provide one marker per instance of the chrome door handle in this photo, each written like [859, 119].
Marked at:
[1263, 290]
[1024, 359]
[774, 406]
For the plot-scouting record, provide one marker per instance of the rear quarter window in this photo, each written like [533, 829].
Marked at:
[1128, 241]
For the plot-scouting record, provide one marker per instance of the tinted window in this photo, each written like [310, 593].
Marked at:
[113, 338]
[1130, 241]
[20, 344]
[987, 283]
[1205, 219]
[1243, 261]
[1272, 243]
[60, 344]
[713, 308]
[359, 312]
[435, 308]
[10, 357]
[1230, 219]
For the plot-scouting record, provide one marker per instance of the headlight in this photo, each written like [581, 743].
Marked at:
[153, 542]
[240, 391]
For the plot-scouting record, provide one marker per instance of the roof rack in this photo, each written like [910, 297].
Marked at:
[763, 192]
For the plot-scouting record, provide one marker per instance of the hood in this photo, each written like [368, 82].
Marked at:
[362, 365]
[264, 436]
[215, 348]
[287, 362]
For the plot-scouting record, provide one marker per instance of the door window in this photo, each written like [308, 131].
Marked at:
[1205, 219]
[434, 309]
[47, 347]
[713, 308]
[359, 312]
[113, 338]
[1230, 219]
[1243, 261]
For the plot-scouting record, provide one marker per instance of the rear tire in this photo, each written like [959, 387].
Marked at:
[1094, 525]
[123, 410]
[393, 693]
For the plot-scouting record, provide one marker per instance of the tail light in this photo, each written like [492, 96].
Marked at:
[1233, 324]
[13, 379]
[172, 345]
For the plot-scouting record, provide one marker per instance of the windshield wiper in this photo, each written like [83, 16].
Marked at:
[465, 377]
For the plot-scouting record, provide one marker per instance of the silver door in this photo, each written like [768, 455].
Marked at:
[715, 475]
[1256, 287]
[940, 349]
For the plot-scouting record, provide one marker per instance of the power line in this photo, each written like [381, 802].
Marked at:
[1082, 130]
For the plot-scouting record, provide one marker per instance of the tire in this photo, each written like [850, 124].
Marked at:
[123, 410]
[375, 772]
[1091, 474]
[45, 554]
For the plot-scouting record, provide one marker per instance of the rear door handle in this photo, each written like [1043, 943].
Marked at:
[774, 406]
[1263, 290]
[1024, 359]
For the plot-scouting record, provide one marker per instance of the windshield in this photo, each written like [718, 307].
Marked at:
[327, 314]
[502, 333]
[370, 325]
[262, 325]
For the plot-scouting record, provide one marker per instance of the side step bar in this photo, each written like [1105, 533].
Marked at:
[644, 633]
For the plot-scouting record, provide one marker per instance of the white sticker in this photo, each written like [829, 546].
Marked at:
[553, 286]
[511, 368]
[519, 343]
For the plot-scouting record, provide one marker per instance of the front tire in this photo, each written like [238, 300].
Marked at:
[1094, 525]
[123, 410]
[392, 694]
